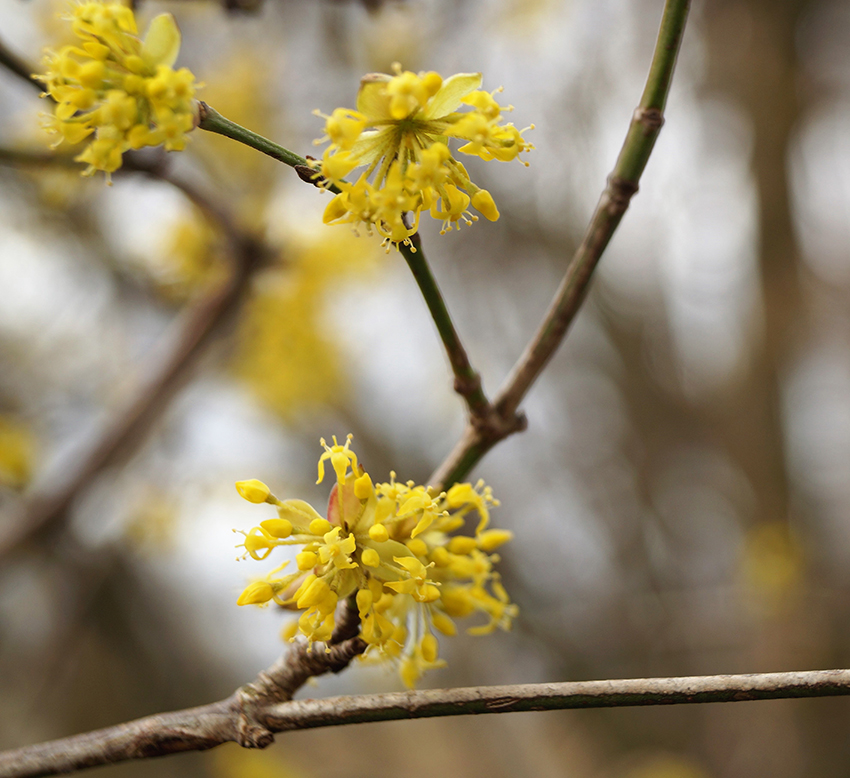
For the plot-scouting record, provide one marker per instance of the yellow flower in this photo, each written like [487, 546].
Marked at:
[400, 134]
[118, 87]
[388, 546]
[254, 490]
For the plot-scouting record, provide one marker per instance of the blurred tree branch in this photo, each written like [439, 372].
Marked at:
[190, 335]
[14, 64]
[252, 714]
[239, 718]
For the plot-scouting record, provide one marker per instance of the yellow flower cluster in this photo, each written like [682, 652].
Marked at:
[400, 132]
[389, 546]
[118, 87]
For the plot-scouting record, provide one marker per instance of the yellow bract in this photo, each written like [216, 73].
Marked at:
[117, 87]
[400, 134]
[389, 547]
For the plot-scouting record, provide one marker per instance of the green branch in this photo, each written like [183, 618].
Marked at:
[622, 186]
[212, 121]
[467, 381]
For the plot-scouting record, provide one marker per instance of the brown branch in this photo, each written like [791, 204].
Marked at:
[190, 335]
[335, 711]
[643, 131]
[240, 718]
[256, 711]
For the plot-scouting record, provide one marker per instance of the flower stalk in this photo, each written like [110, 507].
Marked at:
[212, 121]
[467, 380]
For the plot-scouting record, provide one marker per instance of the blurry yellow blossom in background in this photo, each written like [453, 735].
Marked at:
[400, 133]
[286, 352]
[773, 565]
[17, 452]
[390, 546]
[240, 89]
[153, 521]
[118, 87]
[238, 762]
[666, 766]
[191, 261]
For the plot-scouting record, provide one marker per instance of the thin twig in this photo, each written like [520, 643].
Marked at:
[255, 712]
[335, 711]
[467, 380]
[622, 185]
[212, 121]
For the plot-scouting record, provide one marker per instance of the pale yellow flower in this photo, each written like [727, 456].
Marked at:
[117, 89]
[400, 134]
[391, 547]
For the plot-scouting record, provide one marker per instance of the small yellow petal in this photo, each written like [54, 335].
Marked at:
[444, 624]
[378, 533]
[253, 490]
[363, 487]
[483, 202]
[306, 560]
[417, 546]
[370, 557]
[277, 528]
[409, 673]
[491, 539]
[162, 42]
[320, 526]
[364, 601]
[429, 648]
[256, 593]
[461, 544]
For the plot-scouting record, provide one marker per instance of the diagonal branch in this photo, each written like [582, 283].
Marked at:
[467, 380]
[212, 121]
[192, 332]
[17, 66]
[256, 711]
[622, 186]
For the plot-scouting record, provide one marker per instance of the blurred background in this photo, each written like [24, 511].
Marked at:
[681, 499]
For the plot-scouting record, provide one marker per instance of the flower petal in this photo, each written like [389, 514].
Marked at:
[162, 42]
[451, 94]
[371, 145]
[372, 99]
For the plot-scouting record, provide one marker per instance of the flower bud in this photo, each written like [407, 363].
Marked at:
[253, 490]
